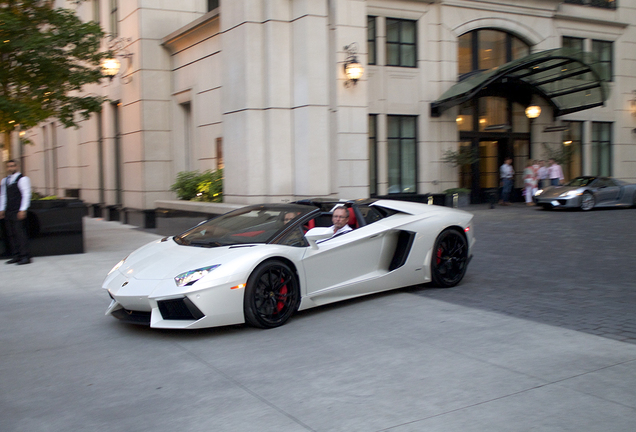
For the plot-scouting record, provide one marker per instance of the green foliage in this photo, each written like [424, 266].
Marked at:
[456, 190]
[36, 196]
[47, 55]
[562, 154]
[196, 186]
[463, 156]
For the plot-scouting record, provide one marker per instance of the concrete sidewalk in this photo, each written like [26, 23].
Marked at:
[399, 361]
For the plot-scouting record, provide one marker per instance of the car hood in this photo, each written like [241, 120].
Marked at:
[165, 259]
[555, 191]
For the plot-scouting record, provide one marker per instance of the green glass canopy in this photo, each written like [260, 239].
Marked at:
[568, 79]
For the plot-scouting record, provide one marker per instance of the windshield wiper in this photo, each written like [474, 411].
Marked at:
[205, 243]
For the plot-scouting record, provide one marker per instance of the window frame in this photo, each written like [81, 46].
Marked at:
[399, 44]
[401, 156]
[373, 154]
[605, 65]
[372, 43]
[598, 149]
[474, 45]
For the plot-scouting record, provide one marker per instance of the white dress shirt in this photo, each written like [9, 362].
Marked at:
[24, 184]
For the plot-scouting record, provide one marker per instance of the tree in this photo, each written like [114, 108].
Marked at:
[46, 56]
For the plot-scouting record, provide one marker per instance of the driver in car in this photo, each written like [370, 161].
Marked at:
[340, 219]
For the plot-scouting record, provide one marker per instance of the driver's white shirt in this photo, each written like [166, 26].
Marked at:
[336, 233]
[342, 230]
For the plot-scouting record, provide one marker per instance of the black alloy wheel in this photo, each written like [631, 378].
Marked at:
[450, 258]
[272, 295]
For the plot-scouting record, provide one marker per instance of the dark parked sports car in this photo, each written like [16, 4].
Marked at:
[587, 192]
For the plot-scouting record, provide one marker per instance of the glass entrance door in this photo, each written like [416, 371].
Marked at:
[491, 157]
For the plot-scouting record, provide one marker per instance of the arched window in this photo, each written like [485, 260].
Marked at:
[486, 48]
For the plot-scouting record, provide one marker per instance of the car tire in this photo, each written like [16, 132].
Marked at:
[272, 295]
[587, 201]
[450, 258]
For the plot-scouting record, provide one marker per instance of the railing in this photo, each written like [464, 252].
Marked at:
[605, 4]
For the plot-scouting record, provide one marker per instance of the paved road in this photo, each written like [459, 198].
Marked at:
[507, 350]
[565, 268]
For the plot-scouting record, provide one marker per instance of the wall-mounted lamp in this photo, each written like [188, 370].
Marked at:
[533, 111]
[111, 66]
[352, 67]
[633, 103]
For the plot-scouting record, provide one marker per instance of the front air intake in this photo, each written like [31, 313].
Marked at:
[179, 309]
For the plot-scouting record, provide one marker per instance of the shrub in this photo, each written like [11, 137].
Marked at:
[196, 186]
[456, 190]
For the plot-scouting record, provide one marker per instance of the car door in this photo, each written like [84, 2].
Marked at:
[608, 191]
[339, 267]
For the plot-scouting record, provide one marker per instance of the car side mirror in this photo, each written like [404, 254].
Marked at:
[316, 234]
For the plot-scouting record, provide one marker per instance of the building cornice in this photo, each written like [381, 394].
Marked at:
[191, 27]
[588, 20]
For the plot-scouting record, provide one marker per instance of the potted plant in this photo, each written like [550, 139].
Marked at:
[464, 155]
[457, 197]
[54, 226]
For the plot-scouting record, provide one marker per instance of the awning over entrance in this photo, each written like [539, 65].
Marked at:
[568, 79]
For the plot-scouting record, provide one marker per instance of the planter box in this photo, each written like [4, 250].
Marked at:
[460, 199]
[54, 227]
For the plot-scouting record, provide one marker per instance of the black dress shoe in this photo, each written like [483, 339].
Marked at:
[13, 261]
[24, 261]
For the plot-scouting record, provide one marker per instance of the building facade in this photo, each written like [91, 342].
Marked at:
[259, 87]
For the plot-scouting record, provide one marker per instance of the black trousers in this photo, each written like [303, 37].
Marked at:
[17, 241]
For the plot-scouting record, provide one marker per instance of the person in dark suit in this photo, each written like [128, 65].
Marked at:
[15, 198]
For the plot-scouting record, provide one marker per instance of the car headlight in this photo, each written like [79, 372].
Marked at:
[119, 264]
[569, 194]
[539, 192]
[190, 277]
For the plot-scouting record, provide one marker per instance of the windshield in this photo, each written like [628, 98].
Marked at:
[249, 225]
[581, 181]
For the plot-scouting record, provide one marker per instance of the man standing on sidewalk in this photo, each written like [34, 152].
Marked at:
[555, 173]
[507, 174]
[15, 198]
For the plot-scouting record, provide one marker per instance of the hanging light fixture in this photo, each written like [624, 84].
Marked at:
[533, 111]
[110, 67]
[353, 69]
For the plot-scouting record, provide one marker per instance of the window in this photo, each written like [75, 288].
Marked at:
[373, 155]
[96, 11]
[573, 141]
[486, 48]
[212, 4]
[371, 35]
[577, 44]
[574, 43]
[114, 18]
[602, 148]
[603, 51]
[402, 154]
[401, 43]
[606, 4]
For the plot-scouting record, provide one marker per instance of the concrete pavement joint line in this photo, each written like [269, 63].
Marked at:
[518, 393]
[245, 388]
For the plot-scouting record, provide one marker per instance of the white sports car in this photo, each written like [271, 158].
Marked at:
[262, 263]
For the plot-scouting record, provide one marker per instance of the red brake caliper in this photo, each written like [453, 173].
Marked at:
[283, 292]
[439, 255]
